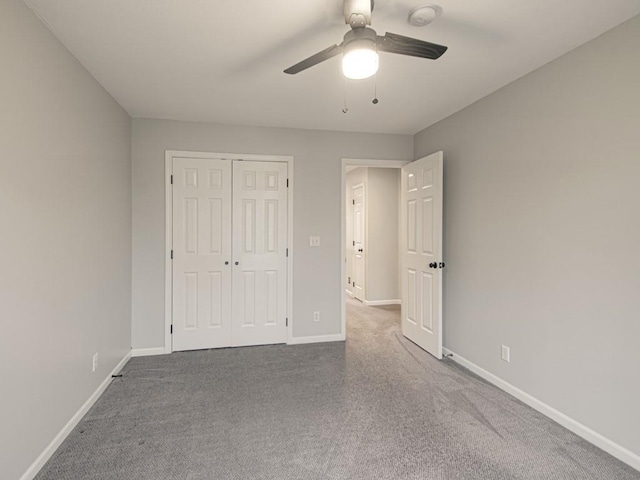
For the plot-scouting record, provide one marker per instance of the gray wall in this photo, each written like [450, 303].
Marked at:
[65, 214]
[542, 229]
[382, 234]
[316, 196]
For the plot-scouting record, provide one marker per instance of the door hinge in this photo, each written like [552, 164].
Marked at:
[354, 284]
[286, 322]
[349, 281]
[171, 254]
[171, 329]
[287, 252]
[171, 179]
[287, 183]
[354, 243]
[354, 202]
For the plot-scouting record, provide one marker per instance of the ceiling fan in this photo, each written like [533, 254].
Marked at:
[361, 45]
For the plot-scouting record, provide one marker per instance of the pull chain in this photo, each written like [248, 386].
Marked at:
[344, 108]
[375, 89]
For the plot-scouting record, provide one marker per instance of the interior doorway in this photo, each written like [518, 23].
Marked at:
[370, 240]
[394, 244]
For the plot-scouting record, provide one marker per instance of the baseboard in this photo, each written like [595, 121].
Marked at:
[317, 339]
[349, 293]
[146, 352]
[378, 303]
[569, 423]
[35, 467]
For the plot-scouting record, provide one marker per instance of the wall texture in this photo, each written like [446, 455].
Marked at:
[542, 230]
[65, 211]
[316, 196]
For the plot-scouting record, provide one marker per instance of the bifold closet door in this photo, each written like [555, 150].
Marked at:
[202, 269]
[260, 256]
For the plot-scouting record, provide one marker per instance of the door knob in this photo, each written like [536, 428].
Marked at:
[441, 265]
[433, 265]
[226, 263]
[237, 263]
[360, 250]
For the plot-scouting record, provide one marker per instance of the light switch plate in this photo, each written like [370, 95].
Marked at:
[506, 353]
[314, 241]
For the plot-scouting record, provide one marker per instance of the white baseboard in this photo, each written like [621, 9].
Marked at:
[569, 423]
[378, 303]
[146, 352]
[317, 339]
[35, 467]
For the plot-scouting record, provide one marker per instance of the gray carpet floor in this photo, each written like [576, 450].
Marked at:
[375, 407]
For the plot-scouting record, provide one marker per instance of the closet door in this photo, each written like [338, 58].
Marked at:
[260, 242]
[201, 253]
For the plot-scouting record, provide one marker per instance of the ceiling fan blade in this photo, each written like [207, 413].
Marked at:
[393, 43]
[319, 57]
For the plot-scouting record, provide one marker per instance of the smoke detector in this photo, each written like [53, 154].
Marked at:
[421, 16]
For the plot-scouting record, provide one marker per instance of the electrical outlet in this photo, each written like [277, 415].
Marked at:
[506, 354]
[316, 316]
[95, 361]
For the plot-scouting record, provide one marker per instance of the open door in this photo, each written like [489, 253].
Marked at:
[421, 252]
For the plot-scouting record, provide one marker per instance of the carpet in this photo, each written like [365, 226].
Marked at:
[373, 407]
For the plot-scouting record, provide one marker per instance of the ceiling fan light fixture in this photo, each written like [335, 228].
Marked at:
[360, 59]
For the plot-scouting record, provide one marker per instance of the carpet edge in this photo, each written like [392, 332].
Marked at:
[591, 436]
[40, 461]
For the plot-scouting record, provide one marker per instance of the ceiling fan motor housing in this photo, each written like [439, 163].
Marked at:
[357, 13]
[359, 37]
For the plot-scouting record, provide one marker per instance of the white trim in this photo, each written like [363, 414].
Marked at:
[289, 161]
[361, 162]
[377, 303]
[146, 352]
[39, 462]
[317, 339]
[168, 246]
[569, 423]
[169, 155]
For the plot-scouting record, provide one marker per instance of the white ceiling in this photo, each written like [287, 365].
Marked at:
[222, 60]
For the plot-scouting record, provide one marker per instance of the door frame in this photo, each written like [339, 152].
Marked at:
[357, 162]
[168, 244]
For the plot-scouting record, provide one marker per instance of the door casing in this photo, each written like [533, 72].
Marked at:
[169, 156]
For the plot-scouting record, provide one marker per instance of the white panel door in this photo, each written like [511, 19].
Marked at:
[421, 253]
[358, 242]
[201, 253]
[259, 259]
